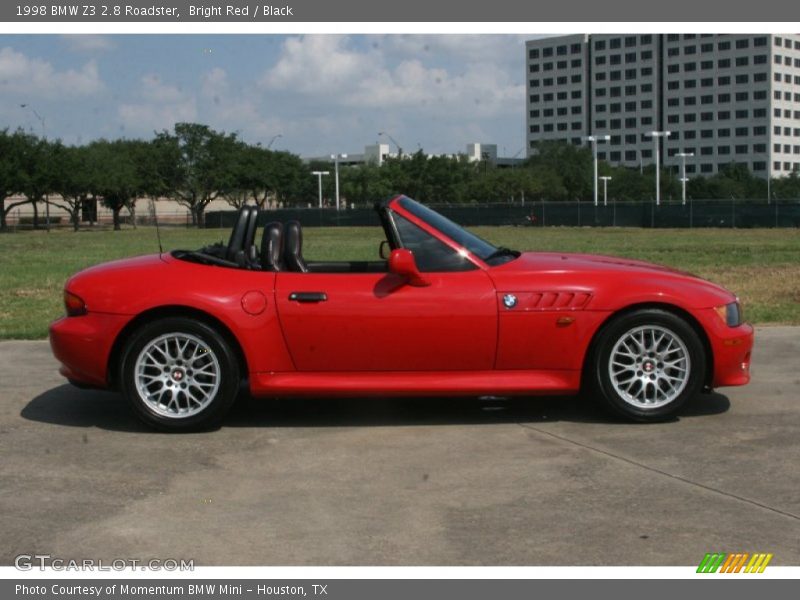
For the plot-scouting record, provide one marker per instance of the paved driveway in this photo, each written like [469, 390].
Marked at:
[410, 482]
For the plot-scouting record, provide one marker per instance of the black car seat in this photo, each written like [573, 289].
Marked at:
[249, 249]
[236, 241]
[293, 253]
[272, 247]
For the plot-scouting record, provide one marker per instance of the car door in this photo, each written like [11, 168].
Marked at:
[378, 322]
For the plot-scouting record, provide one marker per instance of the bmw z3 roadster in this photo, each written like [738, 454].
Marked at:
[441, 312]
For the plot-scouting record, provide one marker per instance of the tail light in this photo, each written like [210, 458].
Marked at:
[74, 304]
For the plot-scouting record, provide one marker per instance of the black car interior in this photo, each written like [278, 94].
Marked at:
[281, 249]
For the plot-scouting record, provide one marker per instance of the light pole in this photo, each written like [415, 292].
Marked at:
[272, 141]
[605, 179]
[319, 175]
[656, 135]
[391, 139]
[44, 139]
[335, 158]
[594, 139]
[683, 156]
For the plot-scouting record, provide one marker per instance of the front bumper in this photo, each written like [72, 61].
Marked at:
[731, 348]
[83, 345]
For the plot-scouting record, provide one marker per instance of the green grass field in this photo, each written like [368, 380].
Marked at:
[761, 265]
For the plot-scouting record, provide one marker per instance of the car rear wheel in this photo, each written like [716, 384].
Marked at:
[647, 364]
[179, 374]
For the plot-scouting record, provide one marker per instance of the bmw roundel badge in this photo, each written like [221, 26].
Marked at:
[510, 300]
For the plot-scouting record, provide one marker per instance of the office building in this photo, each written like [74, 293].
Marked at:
[724, 98]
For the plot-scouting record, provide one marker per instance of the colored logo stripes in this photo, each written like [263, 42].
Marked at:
[714, 562]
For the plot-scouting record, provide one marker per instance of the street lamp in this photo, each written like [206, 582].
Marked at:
[335, 158]
[605, 179]
[274, 137]
[44, 139]
[319, 175]
[655, 135]
[399, 149]
[683, 156]
[594, 139]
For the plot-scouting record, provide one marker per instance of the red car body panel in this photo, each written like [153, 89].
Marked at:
[377, 335]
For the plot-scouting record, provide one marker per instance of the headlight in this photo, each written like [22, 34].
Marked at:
[731, 314]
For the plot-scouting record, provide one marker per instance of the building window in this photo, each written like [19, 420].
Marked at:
[759, 77]
[742, 131]
[535, 114]
[561, 50]
[760, 41]
[706, 168]
[742, 43]
[673, 68]
[535, 99]
[722, 46]
[690, 49]
[673, 51]
[645, 39]
[614, 43]
[742, 96]
[600, 59]
[742, 114]
[706, 134]
[533, 53]
[723, 133]
[600, 45]
[760, 59]
[723, 80]
[576, 110]
[576, 63]
[724, 63]
[600, 124]
[646, 71]
[706, 47]
[724, 115]
[646, 88]
[707, 151]
[630, 155]
[673, 101]
[691, 100]
[575, 48]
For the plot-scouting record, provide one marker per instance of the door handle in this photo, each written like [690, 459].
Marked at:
[308, 296]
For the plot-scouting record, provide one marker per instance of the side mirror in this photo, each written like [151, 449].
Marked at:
[401, 262]
[383, 250]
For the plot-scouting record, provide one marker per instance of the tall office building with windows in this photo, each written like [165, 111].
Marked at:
[724, 98]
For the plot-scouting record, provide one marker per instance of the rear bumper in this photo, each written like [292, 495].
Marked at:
[83, 344]
[731, 348]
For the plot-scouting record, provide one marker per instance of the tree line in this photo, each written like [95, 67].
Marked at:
[194, 165]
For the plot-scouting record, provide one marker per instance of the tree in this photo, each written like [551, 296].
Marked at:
[197, 165]
[36, 171]
[73, 178]
[116, 177]
[11, 150]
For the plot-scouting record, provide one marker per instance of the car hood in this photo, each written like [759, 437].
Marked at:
[612, 281]
[569, 261]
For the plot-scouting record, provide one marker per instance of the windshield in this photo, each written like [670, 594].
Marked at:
[479, 247]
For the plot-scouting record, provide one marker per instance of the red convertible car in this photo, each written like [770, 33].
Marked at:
[443, 312]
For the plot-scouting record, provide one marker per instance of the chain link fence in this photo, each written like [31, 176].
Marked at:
[695, 213]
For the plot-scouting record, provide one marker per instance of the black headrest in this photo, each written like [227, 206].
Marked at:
[272, 247]
[293, 254]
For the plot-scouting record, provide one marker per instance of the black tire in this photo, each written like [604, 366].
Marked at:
[599, 368]
[222, 389]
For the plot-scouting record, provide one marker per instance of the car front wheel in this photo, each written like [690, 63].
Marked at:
[647, 364]
[179, 374]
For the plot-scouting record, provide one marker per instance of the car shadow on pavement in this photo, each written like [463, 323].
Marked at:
[70, 406]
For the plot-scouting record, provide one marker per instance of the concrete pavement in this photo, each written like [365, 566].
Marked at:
[536, 481]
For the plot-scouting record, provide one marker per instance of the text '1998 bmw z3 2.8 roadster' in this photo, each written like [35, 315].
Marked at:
[442, 312]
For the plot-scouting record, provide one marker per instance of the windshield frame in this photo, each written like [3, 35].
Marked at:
[470, 245]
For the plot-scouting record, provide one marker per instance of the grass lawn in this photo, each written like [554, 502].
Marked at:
[761, 265]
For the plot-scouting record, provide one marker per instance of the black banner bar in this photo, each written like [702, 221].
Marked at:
[513, 11]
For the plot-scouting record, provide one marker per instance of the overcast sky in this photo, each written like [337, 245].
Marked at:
[322, 93]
